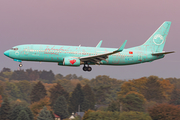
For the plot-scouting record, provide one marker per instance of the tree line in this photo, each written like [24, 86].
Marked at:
[39, 94]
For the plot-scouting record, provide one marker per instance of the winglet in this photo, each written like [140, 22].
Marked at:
[121, 47]
[99, 44]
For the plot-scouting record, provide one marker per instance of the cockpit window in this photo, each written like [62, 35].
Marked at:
[14, 48]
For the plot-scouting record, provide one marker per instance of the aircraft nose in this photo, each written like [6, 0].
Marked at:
[6, 53]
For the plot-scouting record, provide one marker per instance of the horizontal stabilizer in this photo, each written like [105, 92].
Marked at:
[162, 53]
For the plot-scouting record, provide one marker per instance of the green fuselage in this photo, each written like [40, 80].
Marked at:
[56, 53]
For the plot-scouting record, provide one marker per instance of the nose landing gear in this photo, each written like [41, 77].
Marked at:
[20, 65]
[87, 67]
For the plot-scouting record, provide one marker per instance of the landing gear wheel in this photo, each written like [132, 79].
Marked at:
[89, 69]
[20, 65]
[85, 68]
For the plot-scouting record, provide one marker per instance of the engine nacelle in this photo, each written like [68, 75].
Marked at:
[70, 61]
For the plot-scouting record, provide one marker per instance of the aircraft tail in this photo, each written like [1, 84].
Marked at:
[157, 41]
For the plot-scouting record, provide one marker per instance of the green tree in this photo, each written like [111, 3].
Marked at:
[25, 89]
[86, 105]
[38, 92]
[13, 90]
[102, 81]
[23, 115]
[132, 115]
[15, 112]
[17, 109]
[2, 78]
[59, 76]
[132, 102]
[175, 82]
[29, 112]
[153, 91]
[101, 93]
[76, 99]
[57, 91]
[2, 90]
[112, 84]
[66, 84]
[19, 102]
[114, 106]
[71, 76]
[6, 70]
[101, 115]
[47, 75]
[36, 107]
[5, 110]
[32, 75]
[60, 107]
[89, 97]
[19, 75]
[175, 97]
[45, 114]
[7, 74]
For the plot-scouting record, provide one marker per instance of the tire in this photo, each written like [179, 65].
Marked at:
[89, 69]
[85, 68]
[20, 65]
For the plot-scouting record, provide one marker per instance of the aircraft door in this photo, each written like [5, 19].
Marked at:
[26, 50]
[36, 51]
[23, 52]
[41, 52]
[142, 57]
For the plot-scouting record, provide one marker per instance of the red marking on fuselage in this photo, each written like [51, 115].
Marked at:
[72, 61]
[130, 52]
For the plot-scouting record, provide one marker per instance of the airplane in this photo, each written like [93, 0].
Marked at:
[151, 50]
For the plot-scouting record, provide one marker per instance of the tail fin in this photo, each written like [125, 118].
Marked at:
[157, 41]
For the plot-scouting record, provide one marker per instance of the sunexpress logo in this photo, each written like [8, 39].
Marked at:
[158, 39]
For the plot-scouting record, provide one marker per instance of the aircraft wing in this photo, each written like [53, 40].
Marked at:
[99, 57]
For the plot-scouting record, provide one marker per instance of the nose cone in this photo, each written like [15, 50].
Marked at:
[6, 53]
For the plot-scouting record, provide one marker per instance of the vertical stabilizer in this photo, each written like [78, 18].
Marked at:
[157, 41]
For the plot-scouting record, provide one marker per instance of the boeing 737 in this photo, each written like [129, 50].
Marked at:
[63, 55]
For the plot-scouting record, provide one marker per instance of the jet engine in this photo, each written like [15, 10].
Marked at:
[70, 61]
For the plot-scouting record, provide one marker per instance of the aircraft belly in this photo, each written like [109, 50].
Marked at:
[52, 58]
[119, 60]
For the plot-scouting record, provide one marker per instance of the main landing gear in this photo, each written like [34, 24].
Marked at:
[87, 67]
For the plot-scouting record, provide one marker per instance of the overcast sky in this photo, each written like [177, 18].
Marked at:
[86, 22]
